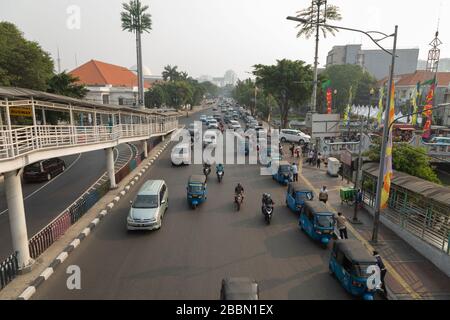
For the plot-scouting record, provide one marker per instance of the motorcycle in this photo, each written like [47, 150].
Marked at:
[238, 198]
[267, 211]
[206, 171]
[220, 176]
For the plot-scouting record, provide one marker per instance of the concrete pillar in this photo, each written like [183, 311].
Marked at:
[17, 222]
[145, 148]
[110, 167]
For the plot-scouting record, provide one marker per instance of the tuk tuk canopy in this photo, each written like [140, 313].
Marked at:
[317, 207]
[355, 251]
[197, 179]
[297, 187]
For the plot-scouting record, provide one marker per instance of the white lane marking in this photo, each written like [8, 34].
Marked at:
[46, 184]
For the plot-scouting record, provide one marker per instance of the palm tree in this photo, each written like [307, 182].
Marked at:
[170, 73]
[134, 19]
[317, 12]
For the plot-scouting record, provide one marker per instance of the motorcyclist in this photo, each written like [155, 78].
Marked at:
[267, 201]
[206, 165]
[220, 168]
[239, 190]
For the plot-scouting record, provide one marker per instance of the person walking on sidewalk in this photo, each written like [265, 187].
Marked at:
[310, 157]
[319, 160]
[341, 222]
[359, 199]
[292, 149]
[294, 172]
[383, 270]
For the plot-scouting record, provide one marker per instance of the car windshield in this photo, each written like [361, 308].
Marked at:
[301, 196]
[145, 202]
[35, 167]
[195, 188]
[325, 221]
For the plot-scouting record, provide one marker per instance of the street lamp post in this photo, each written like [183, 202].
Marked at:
[386, 126]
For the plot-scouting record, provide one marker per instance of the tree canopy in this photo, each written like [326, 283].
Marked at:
[23, 63]
[288, 82]
[310, 14]
[134, 18]
[65, 84]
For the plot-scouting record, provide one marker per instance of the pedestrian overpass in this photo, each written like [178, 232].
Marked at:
[35, 126]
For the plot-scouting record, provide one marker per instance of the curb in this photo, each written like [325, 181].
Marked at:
[47, 273]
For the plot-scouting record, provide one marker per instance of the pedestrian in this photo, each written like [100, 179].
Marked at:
[294, 172]
[280, 149]
[310, 157]
[341, 171]
[292, 148]
[297, 151]
[359, 198]
[323, 195]
[341, 225]
[318, 160]
[383, 270]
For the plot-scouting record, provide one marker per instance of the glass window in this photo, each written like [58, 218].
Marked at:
[347, 264]
[196, 188]
[145, 202]
[325, 221]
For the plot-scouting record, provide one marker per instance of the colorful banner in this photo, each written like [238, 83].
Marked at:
[329, 101]
[380, 107]
[427, 112]
[387, 170]
[414, 101]
[347, 110]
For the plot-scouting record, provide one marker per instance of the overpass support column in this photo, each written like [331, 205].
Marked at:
[110, 167]
[17, 222]
[145, 148]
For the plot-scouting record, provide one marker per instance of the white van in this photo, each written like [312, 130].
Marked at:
[148, 208]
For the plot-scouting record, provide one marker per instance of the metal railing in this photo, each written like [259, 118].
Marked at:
[23, 140]
[9, 269]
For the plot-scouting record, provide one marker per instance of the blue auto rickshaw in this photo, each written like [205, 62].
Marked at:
[283, 174]
[296, 196]
[353, 266]
[317, 221]
[196, 190]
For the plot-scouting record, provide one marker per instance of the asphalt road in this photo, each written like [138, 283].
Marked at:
[44, 201]
[194, 250]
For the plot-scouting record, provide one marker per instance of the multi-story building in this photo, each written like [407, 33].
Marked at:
[376, 62]
[108, 83]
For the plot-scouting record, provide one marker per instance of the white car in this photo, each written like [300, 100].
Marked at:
[213, 124]
[234, 125]
[296, 136]
[210, 138]
[203, 118]
[181, 154]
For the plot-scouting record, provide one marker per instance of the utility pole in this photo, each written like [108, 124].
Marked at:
[318, 4]
[358, 172]
[386, 129]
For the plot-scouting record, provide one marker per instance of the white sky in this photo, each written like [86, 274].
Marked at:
[212, 36]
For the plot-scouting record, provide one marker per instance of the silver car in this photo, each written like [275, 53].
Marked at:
[148, 208]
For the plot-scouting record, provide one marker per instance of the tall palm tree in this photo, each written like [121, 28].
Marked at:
[317, 12]
[134, 19]
[170, 73]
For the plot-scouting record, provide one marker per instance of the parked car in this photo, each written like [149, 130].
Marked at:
[239, 289]
[148, 208]
[43, 170]
[289, 135]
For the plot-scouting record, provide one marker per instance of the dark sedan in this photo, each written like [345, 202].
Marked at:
[43, 170]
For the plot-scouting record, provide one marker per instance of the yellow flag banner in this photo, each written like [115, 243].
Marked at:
[387, 170]
[380, 107]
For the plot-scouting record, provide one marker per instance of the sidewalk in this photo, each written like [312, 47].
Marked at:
[410, 275]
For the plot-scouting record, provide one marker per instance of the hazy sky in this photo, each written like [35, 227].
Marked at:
[212, 36]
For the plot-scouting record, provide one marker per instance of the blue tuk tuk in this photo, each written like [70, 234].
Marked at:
[317, 221]
[351, 263]
[196, 190]
[296, 196]
[283, 174]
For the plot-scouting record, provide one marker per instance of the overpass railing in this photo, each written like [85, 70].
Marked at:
[23, 140]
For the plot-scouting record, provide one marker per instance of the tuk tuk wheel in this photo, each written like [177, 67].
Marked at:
[194, 206]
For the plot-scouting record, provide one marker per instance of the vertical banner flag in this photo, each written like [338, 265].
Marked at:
[387, 170]
[329, 101]
[427, 112]
[347, 110]
[414, 102]
[380, 106]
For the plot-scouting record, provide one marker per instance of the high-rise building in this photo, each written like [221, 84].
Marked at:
[376, 62]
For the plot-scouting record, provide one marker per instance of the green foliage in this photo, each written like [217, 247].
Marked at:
[170, 73]
[65, 84]
[288, 82]
[134, 18]
[407, 159]
[310, 14]
[345, 76]
[244, 94]
[23, 63]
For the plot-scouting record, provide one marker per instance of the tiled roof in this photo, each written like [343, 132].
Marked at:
[421, 76]
[96, 73]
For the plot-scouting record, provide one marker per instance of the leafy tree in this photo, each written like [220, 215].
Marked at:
[344, 77]
[244, 94]
[156, 96]
[210, 88]
[310, 14]
[407, 159]
[65, 84]
[289, 83]
[23, 63]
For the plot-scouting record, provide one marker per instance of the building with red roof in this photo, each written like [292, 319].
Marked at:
[108, 83]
